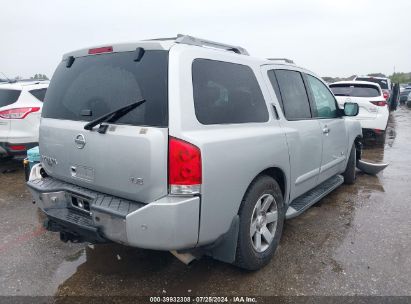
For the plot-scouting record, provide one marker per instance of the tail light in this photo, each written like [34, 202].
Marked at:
[381, 103]
[386, 94]
[19, 113]
[17, 148]
[184, 167]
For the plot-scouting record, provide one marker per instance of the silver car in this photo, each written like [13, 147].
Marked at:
[188, 145]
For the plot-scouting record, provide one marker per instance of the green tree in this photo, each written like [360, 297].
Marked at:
[39, 77]
[401, 77]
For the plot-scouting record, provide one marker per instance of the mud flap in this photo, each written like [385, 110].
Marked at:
[370, 168]
[225, 248]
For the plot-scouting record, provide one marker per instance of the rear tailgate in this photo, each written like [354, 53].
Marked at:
[127, 161]
[366, 109]
[130, 159]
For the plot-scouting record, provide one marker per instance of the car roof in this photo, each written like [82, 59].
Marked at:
[356, 83]
[189, 41]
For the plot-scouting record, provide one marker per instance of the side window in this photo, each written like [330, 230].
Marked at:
[324, 101]
[226, 93]
[39, 93]
[294, 97]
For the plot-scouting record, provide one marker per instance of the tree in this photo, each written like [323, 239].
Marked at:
[401, 77]
[376, 75]
[39, 77]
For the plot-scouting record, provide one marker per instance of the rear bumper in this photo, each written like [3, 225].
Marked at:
[379, 122]
[9, 148]
[170, 223]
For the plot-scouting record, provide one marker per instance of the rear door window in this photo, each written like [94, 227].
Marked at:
[7, 97]
[290, 86]
[226, 93]
[103, 83]
[39, 93]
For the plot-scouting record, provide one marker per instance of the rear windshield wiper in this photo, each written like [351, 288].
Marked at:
[112, 116]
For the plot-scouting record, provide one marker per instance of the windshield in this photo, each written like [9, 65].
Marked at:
[99, 84]
[355, 90]
[8, 97]
[382, 82]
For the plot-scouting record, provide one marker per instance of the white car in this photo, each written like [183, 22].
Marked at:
[383, 82]
[20, 110]
[373, 109]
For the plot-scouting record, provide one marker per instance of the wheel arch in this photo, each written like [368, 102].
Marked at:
[280, 177]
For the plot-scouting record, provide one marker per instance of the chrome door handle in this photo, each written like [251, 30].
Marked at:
[326, 130]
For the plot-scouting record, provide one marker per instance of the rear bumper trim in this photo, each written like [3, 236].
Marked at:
[170, 223]
[6, 147]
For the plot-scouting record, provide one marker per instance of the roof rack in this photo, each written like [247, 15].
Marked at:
[185, 39]
[282, 59]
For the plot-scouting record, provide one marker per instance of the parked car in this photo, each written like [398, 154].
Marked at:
[408, 101]
[188, 145]
[20, 109]
[405, 94]
[373, 114]
[384, 83]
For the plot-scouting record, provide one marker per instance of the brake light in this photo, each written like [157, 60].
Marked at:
[381, 103]
[18, 113]
[386, 95]
[184, 167]
[17, 148]
[104, 49]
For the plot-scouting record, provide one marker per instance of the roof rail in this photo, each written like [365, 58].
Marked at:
[282, 59]
[185, 39]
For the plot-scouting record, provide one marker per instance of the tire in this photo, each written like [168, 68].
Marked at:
[349, 173]
[261, 192]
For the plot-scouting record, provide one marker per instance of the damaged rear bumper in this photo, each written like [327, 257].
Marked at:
[80, 214]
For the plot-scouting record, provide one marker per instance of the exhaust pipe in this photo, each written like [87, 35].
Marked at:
[186, 258]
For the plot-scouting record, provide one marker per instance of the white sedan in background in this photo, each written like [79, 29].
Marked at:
[20, 110]
[373, 109]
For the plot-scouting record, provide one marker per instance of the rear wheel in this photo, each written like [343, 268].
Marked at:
[261, 223]
[349, 173]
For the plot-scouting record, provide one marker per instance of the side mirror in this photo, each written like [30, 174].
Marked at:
[351, 109]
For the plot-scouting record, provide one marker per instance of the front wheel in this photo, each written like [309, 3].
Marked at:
[261, 223]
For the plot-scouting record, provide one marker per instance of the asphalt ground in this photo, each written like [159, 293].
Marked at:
[356, 241]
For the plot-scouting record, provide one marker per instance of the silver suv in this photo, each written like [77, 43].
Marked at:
[188, 145]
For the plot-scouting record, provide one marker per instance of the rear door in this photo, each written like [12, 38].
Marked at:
[130, 159]
[334, 133]
[303, 133]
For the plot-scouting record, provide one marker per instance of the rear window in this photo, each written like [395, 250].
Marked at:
[226, 93]
[382, 82]
[8, 97]
[293, 94]
[103, 83]
[354, 90]
[39, 93]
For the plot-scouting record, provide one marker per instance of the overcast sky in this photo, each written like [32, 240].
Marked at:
[330, 37]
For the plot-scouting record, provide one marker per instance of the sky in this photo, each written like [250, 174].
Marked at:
[332, 38]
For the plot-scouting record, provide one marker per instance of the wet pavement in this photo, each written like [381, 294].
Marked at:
[356, 241]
